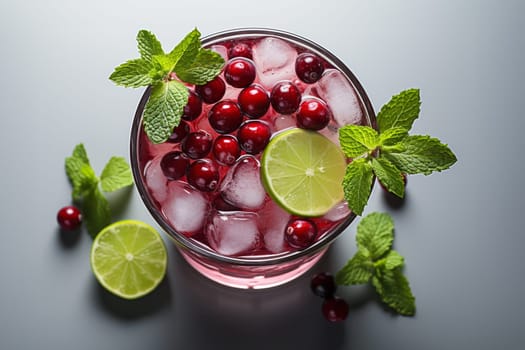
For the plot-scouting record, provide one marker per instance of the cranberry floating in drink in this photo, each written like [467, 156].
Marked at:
[224, 186]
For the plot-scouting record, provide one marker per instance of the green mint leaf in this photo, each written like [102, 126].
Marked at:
[394, 289]
[392, 136]
[400, 111]
[357, 184]
[357, 270]
[206, 66]
[134, 73]
[375, 233]
[79, 172]
[96, 211]
[116, 174]
[389, 176]
[393, 260]
[164, 109]
[421, 155]
[148, 45]
[357, 140]
[186, 51]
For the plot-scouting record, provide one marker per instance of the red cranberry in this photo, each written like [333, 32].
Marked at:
[300, 233]
[254, 101]
[285, 97]
[213, 91]
[193, 108]
[239, 72]
[197, 144]
[335, 309]
[203, 174]
[323, 285]
[226, 149]
[69, 218]
[225, 116]
[309, 67]
[253, 136]
[313, 114]
[179, 132]
[240, 50]
[174, 165]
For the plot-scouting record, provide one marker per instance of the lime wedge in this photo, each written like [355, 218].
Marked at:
[303, 172]
[129, 258]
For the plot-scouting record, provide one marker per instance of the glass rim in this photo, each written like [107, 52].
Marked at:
[187, 243]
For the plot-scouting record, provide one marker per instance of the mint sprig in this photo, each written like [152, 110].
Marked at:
[167, 74]
[87, 187]
[389, 152]
[377, 263]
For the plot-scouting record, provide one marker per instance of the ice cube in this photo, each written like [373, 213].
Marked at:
[241, 186]
[338, 212]
[282, 121]
[185, 208]
[221, 50]
[233, 233]
[273, 221]
[274, 60]
[155, 180]
[340, 96]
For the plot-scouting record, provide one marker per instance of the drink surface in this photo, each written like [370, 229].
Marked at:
[206, 180]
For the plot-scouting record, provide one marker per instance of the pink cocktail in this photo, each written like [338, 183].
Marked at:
[204, 186]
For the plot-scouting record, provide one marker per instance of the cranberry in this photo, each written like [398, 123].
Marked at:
[335, 309]
[203, 174]
[179, 132]
[240, 50]
[309, 67]
[174, 165]
[197, 144]
[323, 285]
[253, 136]
[300, 233]
[225, 116]
[313, 114]
[254, 101]
[193, 108]
[69, 218]
[285, 97]
[239, 72]
[226, 149]
[212, 91]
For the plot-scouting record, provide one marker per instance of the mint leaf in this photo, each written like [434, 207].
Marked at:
[116, 174]
[148, 45]
[393, 260]
[79, 172]
[394, 289]
[357, 184]
[392, 136]
[400, 111]
[134, 73]
[96, 211]
[421, 155]
[206, 66]
[356, 140]
[357, 270]
[375, 233]
[186, 51]
[164, 109]
[389, 176]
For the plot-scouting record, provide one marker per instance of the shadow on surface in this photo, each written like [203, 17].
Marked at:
[393, 201]
[133, 309]
[68, 239]
[119, 201]
[284, 317]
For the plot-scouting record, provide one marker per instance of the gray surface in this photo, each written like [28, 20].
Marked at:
[459, 230]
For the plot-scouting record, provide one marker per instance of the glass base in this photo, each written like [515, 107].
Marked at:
[252, 277]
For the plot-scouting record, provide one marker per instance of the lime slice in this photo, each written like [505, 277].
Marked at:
[129, 258]
[303, 172]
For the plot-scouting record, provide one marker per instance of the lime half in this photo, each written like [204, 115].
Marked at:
[129, 258]
[303, 171]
